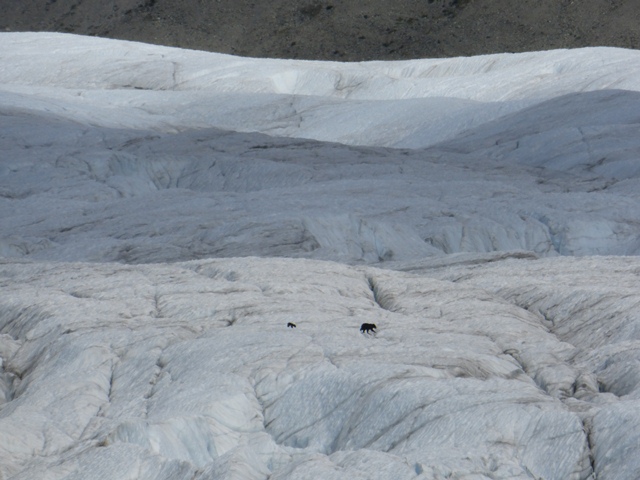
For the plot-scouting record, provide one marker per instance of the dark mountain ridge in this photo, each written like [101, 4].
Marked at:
[346, 31]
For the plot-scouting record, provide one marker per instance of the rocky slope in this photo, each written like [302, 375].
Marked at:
[350, 31]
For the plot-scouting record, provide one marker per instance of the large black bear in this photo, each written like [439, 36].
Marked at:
[368, 327]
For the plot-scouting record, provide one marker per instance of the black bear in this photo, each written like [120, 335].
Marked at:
[291, 325]
[368, 327]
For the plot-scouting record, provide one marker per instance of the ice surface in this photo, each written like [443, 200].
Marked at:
[165, 213]
[112, 151]
[77, 192]
[191, 364]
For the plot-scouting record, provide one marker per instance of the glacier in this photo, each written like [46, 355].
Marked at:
[165, 213]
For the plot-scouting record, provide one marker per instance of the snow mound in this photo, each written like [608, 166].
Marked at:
[412, 103]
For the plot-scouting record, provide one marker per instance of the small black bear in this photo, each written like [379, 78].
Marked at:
[368, 327]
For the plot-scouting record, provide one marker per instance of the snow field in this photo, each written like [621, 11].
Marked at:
[164, 213]
[122, 352]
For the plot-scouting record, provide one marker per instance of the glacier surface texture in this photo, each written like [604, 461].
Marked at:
[165, 213]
